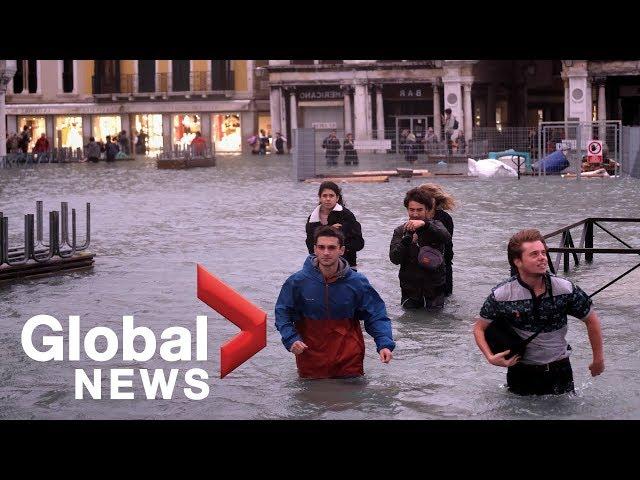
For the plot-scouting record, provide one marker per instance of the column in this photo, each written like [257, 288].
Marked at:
[275, 97]
[602, 110]
[348, 114]
[437, 112]
[7, 71]
[566, 98]
[380, 113]
[293, 110]
[360, 110]
[369, 117]
[126, 126]
[249, 127]
[167, 145]
[580, 99]
[452, 100]
[205, 126]
[468, 113]
[50, 130]
[250, 78]
[86, 128]
[3, 116]
[283, 117]
[491, 105]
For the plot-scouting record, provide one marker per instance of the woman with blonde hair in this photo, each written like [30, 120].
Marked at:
[443, 201]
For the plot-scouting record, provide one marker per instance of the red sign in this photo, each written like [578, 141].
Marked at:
[241, 312]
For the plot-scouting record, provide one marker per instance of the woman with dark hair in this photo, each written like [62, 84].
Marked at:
[331, 211]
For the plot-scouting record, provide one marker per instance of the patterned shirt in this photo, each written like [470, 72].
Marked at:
[516, 303]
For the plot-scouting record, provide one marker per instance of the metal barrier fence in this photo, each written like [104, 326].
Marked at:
[188, 151]
[56, 155]
[422, 150]
[449, 153]
[574, 138]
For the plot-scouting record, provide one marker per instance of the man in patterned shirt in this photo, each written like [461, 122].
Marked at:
[534, 300]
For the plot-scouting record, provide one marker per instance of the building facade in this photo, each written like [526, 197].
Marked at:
[378, 98]
[229, 101]
[168, 101]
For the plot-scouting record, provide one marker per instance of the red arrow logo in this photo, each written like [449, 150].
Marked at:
[242, 313]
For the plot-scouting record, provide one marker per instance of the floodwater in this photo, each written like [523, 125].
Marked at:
[244, 222]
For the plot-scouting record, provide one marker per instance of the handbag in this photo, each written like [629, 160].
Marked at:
[501, 336]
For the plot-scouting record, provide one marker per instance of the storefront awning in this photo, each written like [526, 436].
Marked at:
[123, 108]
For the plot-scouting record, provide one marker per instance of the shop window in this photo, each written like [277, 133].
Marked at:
[148, 130]
[226, 132]
[36, 128]
[69, 132]
[302, 62]
[106, 125]
[184, 128]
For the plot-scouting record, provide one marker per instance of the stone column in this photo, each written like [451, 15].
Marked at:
[437, 112]
[360, 109]
[275, 97]
[125, 123]
[50, 130]
[369, 117]
[580, 98]
[283, 117]
[205, 126]
[86, 128]
[293, 110]
[167, 144]
[250, 78]
[348, 114]
[468, 113]
[7, 71]
[380, 113]
[249, 127]
[566, 98]
[602, 109]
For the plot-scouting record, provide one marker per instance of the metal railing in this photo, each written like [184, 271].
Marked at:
[567, 248]
[130, 83]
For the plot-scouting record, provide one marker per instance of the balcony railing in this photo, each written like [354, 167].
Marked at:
[160, 83]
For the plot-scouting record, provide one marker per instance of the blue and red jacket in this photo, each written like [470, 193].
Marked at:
[325, 314]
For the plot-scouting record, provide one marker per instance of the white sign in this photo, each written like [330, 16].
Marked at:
[372, 144]
[324, 126]
[594, 147]
[566, 145]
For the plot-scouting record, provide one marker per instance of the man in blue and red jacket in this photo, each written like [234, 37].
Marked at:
[318, 312]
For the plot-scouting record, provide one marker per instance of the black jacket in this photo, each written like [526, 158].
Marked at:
[447, 221]
[332, 146]
[350, 228]
[415, 281]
